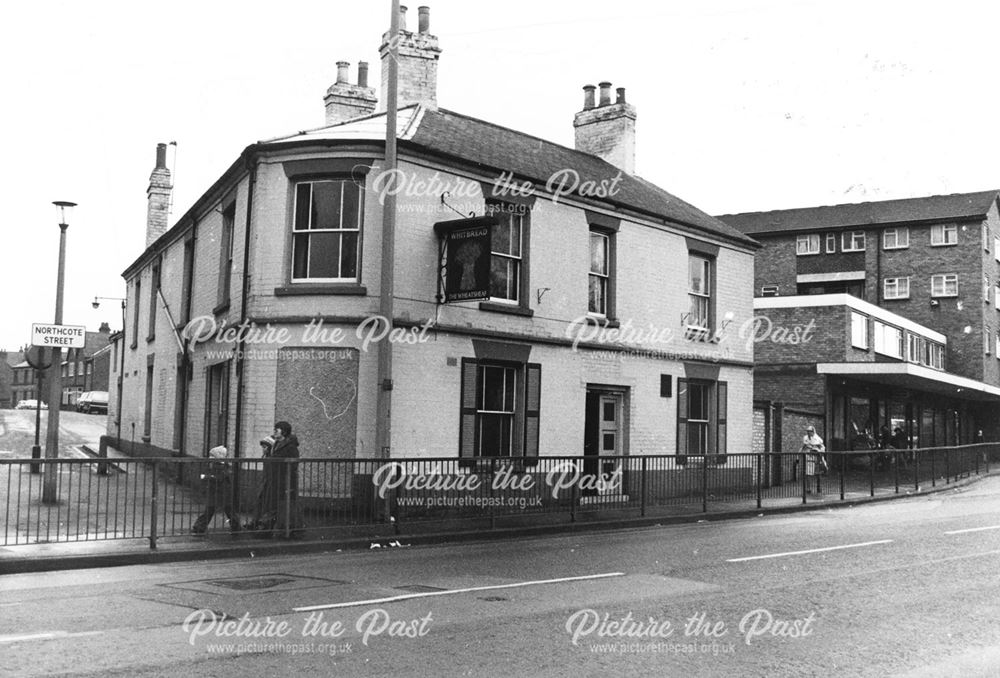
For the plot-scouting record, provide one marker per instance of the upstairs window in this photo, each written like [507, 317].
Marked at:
[225, 254]
[807, 244]
[944, 285]
[507, 251]
[944, 234]
[916, 349]
[895, 238]
[935, 356]
[831, 243]
[600, 273]
[896, 288]
[888, 340]
[327, 231]
[859, 330]
[699, 292]
[853, 241]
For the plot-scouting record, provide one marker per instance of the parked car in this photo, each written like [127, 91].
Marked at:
[93, 401]
[29, 405]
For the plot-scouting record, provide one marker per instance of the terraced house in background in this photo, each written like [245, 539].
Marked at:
[905, 300]
[290, 238]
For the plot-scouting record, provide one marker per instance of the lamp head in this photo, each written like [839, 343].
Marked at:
[65, 210]
[96, 303]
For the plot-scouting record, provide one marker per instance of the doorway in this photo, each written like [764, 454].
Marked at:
[604, 441]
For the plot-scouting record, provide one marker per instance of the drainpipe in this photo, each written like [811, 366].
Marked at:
[251, 162]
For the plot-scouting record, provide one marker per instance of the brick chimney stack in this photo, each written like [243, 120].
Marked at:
[345, 101]
[607, 130]
[418, 62]
[158, 195]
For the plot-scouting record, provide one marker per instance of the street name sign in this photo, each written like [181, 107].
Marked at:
[58, 336]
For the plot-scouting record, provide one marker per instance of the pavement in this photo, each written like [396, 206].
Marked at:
[45, 557]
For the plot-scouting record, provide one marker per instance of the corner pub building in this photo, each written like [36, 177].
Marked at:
[289, 238]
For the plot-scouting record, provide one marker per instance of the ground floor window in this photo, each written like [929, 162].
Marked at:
[500, 409]
[701, 419]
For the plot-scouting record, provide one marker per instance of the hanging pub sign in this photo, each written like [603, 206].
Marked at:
[465, 259]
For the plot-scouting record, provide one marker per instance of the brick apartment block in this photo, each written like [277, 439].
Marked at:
[885, 283]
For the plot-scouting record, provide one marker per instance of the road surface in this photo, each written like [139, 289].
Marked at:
[908, 587]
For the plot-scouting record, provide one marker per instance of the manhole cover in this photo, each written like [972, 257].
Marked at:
[419, 588]
[252, 584]
[268, 583]
[495, 599]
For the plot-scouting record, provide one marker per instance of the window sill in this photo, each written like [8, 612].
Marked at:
[943, 244]
[604, 321]
[494, 307]
[221, 308]
[345, 289]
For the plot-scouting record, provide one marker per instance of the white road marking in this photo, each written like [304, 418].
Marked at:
[47, 636]
[974, 529]
[798, 553]
[449, 592]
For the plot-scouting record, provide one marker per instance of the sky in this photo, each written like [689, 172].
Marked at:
[741, 105]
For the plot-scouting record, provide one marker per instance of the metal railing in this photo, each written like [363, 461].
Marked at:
[156, 498]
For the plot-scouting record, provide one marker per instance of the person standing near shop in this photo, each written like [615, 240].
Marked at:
[813, 449]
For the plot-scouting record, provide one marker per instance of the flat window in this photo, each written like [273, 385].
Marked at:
[944, 285]
[896, 288]
[600, 273]
[327, 231]
[853, 241]
[986, 289]
[944, 234]
[699, 292]
[996, 296]
[859, 330]
[987, 339]
[986, 237]
[935, 355]
[996, 248]
[916, 349]
[507, 250]
[831, 243]
[888, 339]
[807, 244]
[895, 238]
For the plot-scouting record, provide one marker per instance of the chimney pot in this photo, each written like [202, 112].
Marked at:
[621, 95]
[161, 156]
[342, 67]
[362, 74]
[423, 19]
[402, 17]
[605, 93]
[588, 97]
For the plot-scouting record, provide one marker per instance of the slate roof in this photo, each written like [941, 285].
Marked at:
[935, 208]
[497, 149]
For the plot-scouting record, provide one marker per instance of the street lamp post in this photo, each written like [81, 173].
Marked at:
[49, 489]
[121, 369]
